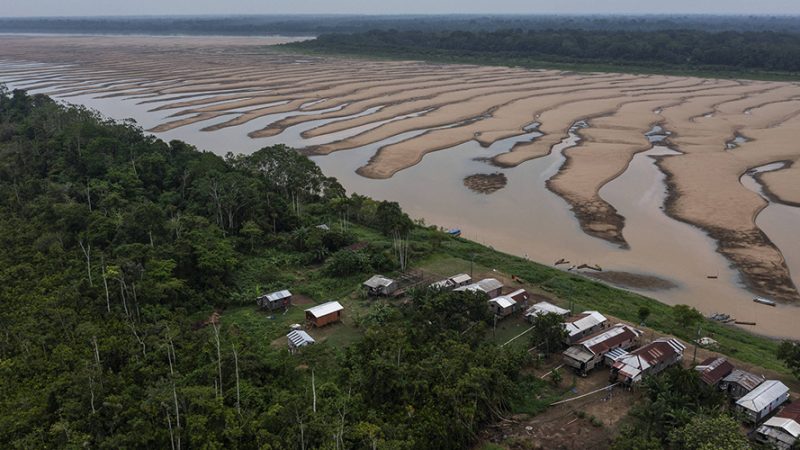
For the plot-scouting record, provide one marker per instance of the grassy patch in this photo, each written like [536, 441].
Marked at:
[535, 395]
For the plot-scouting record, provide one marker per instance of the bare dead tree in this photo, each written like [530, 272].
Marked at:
[217, 197]
[219, 357]
[122, 289]
[236, 364]
[342, 412]
[132, 326]
[105, 283]
[135, 300]
[169, 425]
[88, 196]
[96, 351]
[313, 393]
[91, 392]
[172, 360]
[401, 250]
[87, 249]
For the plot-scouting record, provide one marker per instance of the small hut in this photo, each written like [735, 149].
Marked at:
[503, 306]
[739, 383]
[489, 286]
[323, 314]
[298, 339]
[275, 300]
[380, 285]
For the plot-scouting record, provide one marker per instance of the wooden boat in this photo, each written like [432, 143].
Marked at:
[765, 301]
[455, 232]
[738, 322]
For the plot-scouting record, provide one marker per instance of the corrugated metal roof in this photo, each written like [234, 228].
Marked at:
[325, 309]
[461, 278]
[600, 342]
[455, 280]
[578, 353]
[279, 295]
[713, 369]
[584, 321]
[441, 284]
[520, 295]
[745, 379]
[616, 354]
[544, 308]
[378, 281]
[503, 301]
[790, 411]
[300, 338]
[485, 285]
[788, 425]
[761, 397]
[643, 358]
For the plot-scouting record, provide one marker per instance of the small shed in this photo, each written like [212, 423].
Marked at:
[739, 382]
[298, 339]
[782, 431]
[764, 399]
[544, 308]
[453, 282]
[275, 300]
[489, 286]
[323, 314]
[461, 279]
[503, 306]
[583, 324]
[713, 370]
[380, 285]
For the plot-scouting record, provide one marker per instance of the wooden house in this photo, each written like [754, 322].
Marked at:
[489, 286]
[589, 352]
[544, 308]
[275, 300]
[739, 382]
[503, 306]
[380, 285]
[757, 404]
[583, 324]
[713, 370]
[781, 431]
[323, 314]
[647, 360]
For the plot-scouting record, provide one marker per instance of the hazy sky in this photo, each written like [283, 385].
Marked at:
[10, 8]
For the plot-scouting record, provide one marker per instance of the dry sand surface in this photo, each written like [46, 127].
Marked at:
[224, 82]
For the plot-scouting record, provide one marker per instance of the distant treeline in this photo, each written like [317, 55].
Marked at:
[320, 24]
[674, 50]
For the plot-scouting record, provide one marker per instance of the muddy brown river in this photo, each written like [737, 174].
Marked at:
[524, 217]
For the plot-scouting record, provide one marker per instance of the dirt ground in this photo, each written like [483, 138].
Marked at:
[589, 422]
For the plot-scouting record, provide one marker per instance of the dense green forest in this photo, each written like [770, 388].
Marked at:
[117, 247]
[679, 50]
[128, 277]
[315, 24]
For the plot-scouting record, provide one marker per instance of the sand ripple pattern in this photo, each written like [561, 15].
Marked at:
[236, 81]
